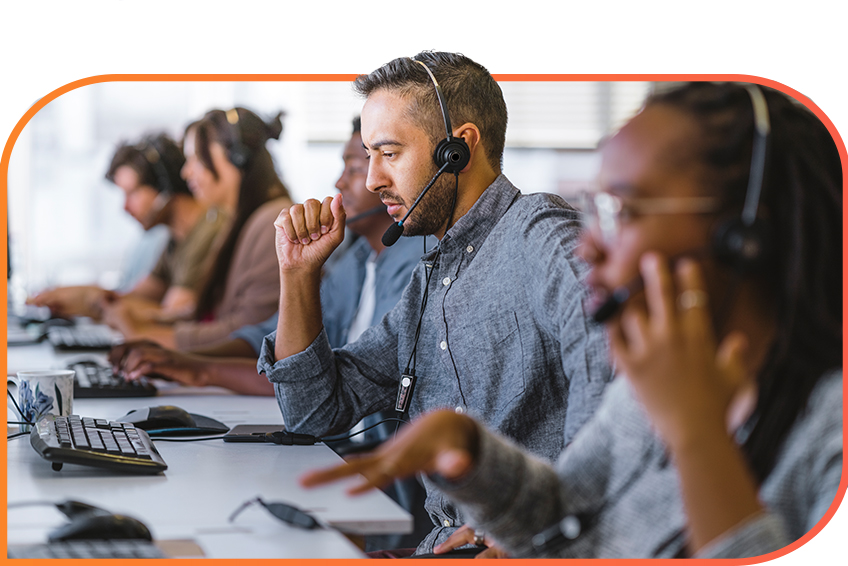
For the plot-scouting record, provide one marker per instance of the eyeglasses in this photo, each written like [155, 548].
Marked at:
[282, 511]
[608, 212]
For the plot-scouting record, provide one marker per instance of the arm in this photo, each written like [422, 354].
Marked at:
[252, 288]
[306, 235]
[557, 298]
[686, 383]
[81, 300]
[319, 390]
[135, 360]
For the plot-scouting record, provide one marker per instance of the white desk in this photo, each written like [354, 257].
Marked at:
[204, 483]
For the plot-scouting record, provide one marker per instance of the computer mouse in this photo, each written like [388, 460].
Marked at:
[168, 420]
[101, 526]
[161, 417]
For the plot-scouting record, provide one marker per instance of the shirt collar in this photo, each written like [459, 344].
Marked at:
[472, 229]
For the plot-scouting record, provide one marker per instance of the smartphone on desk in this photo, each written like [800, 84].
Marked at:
[251, 433]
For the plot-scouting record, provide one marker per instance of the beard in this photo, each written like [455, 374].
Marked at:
[432, 212]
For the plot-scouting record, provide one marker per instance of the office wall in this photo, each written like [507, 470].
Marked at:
[67, 224]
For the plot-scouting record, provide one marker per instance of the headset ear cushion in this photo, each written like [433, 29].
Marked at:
[746, 249]
[238, 155]
[453, 151]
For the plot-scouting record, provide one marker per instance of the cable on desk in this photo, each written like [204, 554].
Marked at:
[288, 438]
[162, 438]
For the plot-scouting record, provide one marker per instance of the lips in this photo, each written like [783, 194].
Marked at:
[393, 208]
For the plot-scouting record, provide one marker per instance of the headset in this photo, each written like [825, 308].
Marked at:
[147, 149]
[451, 156]
[237, 153]
[744, 243]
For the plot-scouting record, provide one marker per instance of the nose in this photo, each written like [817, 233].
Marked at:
[184, 171]
[341, 183]
[375, 180]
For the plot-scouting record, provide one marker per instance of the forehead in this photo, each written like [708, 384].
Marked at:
[126, 177]
[386, 117]
[650, 153]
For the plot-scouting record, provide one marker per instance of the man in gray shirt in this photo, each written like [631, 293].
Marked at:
[492, 323]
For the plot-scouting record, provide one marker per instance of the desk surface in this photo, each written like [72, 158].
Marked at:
[204, 483]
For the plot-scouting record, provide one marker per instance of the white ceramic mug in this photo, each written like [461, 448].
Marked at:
[42, 392]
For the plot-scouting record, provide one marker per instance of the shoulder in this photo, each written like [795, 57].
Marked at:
[261, 222]
[541, 216]
[824, 407]
[268, 212]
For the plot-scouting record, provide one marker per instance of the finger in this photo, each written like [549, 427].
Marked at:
[298, 220]
[492, 552]
[329, 475]
[284, 223]
[659, 290]
[730, 359]
[453, 464]
[116, 356]
[618, 342]
[634, 327]
[462, 536]
[339, 214]
[312, 218]
[142, 369]
[693, 302]
[326, 215]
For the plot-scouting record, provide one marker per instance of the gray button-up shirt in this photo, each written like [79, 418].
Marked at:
[504, 338]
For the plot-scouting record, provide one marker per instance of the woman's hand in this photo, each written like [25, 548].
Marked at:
[465, 535]
[669, 354]
[442, 442]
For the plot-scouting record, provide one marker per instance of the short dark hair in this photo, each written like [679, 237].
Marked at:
[157, 159]
[470, 92]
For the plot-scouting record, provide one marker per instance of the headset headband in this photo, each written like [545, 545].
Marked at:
[442, 104]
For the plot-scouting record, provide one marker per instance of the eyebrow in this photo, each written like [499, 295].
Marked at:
[381, 143]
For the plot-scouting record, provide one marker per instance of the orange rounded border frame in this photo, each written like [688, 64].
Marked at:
[41, 103]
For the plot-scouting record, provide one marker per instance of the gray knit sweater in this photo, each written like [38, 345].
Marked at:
[617, 478]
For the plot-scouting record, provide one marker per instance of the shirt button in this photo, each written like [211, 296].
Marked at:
[459, 410]
[447, 523]
[443, 345]
[446, 281]
[469, 249]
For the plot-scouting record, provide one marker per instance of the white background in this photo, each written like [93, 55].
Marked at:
[47, 44]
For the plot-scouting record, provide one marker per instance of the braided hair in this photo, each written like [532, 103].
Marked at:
[802, 196]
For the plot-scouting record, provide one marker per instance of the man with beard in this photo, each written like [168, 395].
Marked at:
[492, 323]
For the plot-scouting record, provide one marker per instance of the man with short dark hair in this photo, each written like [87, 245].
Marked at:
[148, 172]
[492, 322]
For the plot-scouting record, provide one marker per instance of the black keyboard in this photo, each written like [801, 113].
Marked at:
[128, 548]
[95, 442]
[84, 337]
[93, 380]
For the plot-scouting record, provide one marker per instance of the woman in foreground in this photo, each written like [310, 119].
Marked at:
[722, 435]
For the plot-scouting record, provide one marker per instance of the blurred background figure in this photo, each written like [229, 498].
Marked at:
[148, 173]
[227, 168]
